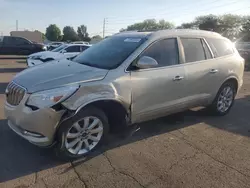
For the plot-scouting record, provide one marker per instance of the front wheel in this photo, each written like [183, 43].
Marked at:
[224, 99]
[81, 134]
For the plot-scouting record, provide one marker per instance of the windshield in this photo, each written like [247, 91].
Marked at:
[110, 53]
[59, 48]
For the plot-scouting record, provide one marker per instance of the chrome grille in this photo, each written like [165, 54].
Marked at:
[14, 93]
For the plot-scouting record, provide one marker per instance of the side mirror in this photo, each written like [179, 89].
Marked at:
[63, 51]
[146, 62]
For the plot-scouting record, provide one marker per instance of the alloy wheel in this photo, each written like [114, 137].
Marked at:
[225, 99]
[84, 135]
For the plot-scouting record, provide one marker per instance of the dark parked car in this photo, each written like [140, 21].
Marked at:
[18, 46]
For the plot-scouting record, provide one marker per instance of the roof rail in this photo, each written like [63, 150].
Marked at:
[149, 30]
[128, 31]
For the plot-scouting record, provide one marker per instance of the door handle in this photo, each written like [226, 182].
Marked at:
[213, 71]
[178, 78]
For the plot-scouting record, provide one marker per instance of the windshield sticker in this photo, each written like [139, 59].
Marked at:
[132, 40]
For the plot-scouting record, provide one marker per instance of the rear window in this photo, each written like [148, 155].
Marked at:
[220, 47]
[193, 49]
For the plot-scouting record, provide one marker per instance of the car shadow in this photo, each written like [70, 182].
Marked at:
[19, 158]
[21, 61]
[3, 57]
[11, 70]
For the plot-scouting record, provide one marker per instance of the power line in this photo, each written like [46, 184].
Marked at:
[187, 13]
[115, 31]
[165, 13]
[132, 17]
[239, 9]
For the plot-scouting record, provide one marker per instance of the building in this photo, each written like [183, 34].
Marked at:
[35, 36]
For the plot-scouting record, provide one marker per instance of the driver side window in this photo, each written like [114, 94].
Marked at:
[21, 41]
[165, 52]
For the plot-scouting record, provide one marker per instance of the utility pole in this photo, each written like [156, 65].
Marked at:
[16, 25]
[103, 31]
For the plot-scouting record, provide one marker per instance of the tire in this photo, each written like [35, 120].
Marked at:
[68, 134]
[221, 106]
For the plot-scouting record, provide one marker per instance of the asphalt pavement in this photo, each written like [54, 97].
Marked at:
[189, 149]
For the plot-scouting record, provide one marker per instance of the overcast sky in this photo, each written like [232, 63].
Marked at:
[38, 14]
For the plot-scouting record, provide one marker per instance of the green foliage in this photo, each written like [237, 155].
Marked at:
[246, 25]
[190, 25]
[245, 30]
[53, 32]
[229, 25]
[69, 34]
[43, 36]
[208, 22]
[150, 24]
[82, 33]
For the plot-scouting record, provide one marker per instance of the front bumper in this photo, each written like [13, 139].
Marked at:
[37, 126]
[33, 62]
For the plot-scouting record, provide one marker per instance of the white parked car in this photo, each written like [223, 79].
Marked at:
[53, 45]
[63, 51]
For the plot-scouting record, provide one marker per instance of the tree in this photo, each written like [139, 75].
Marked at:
[208, 22]
[97, 37]
[69, 34]
[245, 30]
[190, 25]
[43, 35]
[150, 24]
[82, 33]
[53, 32]
[230, 25]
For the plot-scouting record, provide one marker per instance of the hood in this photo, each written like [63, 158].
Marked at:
[57, 74]
[38, 53]
[47, 54]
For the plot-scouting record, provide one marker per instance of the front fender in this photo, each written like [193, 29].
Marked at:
[89, 94]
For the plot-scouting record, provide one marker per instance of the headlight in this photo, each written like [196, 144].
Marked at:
[51, 97]
[44, 47]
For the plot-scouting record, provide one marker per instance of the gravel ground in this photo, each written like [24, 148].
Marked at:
[189, 149]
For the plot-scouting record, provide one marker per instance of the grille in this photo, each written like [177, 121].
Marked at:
[14, 94]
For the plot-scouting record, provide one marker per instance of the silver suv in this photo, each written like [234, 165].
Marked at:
[125, 79]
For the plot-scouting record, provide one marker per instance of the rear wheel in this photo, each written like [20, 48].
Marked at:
[82, 134]
[224, 99]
